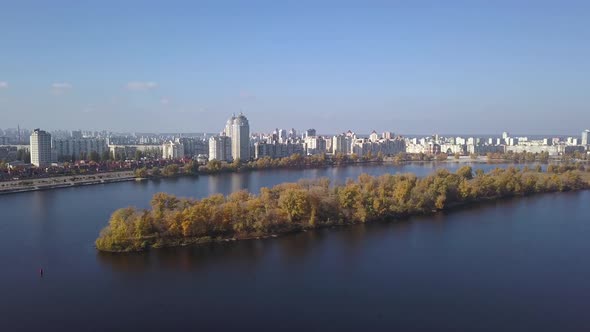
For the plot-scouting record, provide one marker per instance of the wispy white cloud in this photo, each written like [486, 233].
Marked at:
[61, 85]
[3, 84]
[141, 86]
[246, 95]
[193, 110]
[164, 101]
[60, 88]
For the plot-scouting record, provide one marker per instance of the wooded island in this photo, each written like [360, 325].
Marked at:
[309, 204]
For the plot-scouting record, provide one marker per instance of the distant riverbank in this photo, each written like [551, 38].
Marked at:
[66, 181]
[17, 186]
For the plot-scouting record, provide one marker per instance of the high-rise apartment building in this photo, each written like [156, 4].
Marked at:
[585, 136]
[40, 148]
[227, 130]
[342, 144]
[282, 134]
[220, 148]
[240, 138]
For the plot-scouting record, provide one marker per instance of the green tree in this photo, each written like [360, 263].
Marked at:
[295, 203]
[465, 172]
[156, 171]
[170, 170]
[235, 165]
[105, 156]
[162, 202]
[190, 168]
[141, 172]
[214, 166]
[94, 156]
[138, 155]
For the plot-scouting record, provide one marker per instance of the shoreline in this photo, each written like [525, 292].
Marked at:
[124, 176]
[70, 181]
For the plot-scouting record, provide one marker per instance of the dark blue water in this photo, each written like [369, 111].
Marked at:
[517, 265]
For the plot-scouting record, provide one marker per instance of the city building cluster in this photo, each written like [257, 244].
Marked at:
[553, 146]
[235, 142]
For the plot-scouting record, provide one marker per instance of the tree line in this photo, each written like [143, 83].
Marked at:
[308, 204]
[295, 160]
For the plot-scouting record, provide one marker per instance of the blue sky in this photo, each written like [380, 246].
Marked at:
[404, 66]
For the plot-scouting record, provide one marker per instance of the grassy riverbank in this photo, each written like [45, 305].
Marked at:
[293, 207]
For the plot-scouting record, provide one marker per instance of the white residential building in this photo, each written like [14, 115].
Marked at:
[240, 138]
[220, 148]
[40, 148]
[552, 150]
[373, 137]
[342, 144]
[172, 150]
[277, 149]
[387, 135]
[415, 148]
[78, 147]
[315, 145]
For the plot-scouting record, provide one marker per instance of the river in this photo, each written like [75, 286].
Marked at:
[511, 265]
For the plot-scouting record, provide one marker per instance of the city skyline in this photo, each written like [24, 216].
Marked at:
[301, 131]
[419, 68]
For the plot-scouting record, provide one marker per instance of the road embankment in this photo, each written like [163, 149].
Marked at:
[17, 186]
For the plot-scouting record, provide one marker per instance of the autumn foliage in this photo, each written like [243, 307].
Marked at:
[292, 207]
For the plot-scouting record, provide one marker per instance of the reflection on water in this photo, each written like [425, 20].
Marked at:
[41, 202]
[228, 182]
[190, 258]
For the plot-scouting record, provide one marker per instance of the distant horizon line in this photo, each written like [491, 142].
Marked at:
[303, 131]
